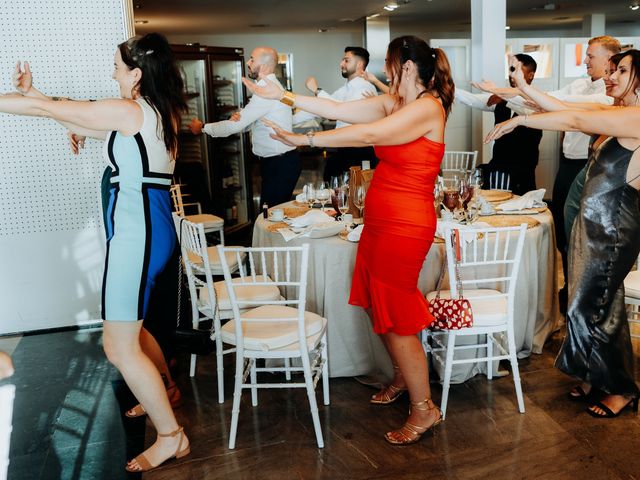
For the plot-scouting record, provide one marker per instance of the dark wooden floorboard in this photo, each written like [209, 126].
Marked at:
[68, 424]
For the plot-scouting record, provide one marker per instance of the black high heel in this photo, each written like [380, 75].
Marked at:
[608, 413]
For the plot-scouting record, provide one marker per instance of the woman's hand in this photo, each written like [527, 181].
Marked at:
[288, 138]
[270, 90]
[503, 128]
[22, 79]
[76, 142]
[515, 72]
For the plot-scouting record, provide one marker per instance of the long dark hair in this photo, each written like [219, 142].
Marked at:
[634, 73]
[433, 67]
[161, 84]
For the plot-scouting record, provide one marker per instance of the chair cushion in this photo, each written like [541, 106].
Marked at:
[266, 335]
[207, 220]
[486, 312]
[214, 260]
[632, 284]
[244, 293]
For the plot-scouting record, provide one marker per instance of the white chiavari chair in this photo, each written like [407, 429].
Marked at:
[490, 260]
[277, 329]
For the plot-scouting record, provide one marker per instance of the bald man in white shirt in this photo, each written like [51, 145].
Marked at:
[279, 163]
[352, 66]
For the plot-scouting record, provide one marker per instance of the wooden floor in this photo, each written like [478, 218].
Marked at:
[68, 424]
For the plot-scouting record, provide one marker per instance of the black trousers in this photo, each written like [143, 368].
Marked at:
[341, 159]
[567, 172]
[279, 177]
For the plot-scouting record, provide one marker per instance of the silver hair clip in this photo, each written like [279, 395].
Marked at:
[148, 52]
[404, 43]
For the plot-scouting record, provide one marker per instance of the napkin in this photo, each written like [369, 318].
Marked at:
[354, 235]
[530, 199]
[442, 225]
[309, 218]
[288, 234]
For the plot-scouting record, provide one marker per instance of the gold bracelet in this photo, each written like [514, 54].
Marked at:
[288, 98]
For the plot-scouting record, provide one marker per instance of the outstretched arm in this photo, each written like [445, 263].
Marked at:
[124, 116]
[418, 119]
[549, 102]
[358, 111]
[22, 80]
[620, 122]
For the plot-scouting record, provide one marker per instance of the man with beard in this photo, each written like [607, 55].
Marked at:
[517, 152]
[353, 64]
[279, 163]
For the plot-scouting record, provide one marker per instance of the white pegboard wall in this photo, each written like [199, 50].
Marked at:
[70, 45]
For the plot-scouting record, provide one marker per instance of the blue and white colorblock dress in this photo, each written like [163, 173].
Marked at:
[140, 231]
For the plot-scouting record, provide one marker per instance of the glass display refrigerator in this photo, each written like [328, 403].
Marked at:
[215, 171]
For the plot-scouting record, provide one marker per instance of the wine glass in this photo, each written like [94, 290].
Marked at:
[323, 194]
[451, 199]
[345, 178]
[358, 198]
[342, 201]
[466, 192]
[310, 194]
[477, 179]
[334, 183]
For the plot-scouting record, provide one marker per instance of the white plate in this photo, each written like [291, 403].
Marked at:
[275, 221]
[326, 229]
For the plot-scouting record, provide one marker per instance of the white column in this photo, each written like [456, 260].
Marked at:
[488, 38]
[593, 25]
[377, 38]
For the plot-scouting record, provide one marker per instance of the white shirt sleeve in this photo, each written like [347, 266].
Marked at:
[256, 109]
[593, 98]
[474, 100]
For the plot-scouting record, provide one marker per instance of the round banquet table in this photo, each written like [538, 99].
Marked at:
[354, 349]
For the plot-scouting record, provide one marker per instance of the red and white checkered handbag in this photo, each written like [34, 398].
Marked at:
[451, 313]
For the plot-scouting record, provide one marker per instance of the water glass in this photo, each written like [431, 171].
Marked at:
[323, 194]
[359, 197]
[310, 194]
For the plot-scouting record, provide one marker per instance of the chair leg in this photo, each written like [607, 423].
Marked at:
[489, 355]
[219, 360]
[237, 396]
[325, 372]
[313, 404]
[513, 358]
[254, 380]
[448, 369]
[192, 365]
[287, 365]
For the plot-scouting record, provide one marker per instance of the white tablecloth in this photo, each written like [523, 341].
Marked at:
[353, 347]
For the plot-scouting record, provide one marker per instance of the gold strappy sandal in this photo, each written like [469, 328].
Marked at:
[410, 433]
[144, 465]
[388, 394]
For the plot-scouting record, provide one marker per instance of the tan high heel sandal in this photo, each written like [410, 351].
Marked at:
[390, 393]
[175, 399]
[410, 433]
[143, 463]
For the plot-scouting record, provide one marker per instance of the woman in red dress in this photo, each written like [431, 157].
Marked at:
[407, 127]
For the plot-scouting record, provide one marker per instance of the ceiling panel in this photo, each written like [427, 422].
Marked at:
[280, 16]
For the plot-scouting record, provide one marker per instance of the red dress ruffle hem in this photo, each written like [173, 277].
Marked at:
[399, 230]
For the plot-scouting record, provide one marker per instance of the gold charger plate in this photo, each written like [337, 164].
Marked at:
[496, 195]
[509, 220]
[343, 235]
[274, 227]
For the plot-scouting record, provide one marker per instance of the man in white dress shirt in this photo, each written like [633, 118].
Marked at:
[352, 66]
[279, 163]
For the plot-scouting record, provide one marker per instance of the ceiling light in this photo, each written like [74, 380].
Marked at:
[390, 7]
[507, 27]
[634, 6]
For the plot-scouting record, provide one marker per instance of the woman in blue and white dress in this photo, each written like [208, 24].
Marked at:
[141, 139]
